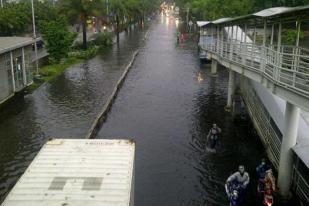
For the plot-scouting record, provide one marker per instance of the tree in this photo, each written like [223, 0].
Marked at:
[57, 37]
[119, 10]
[214, 9]
[16, 19]
[81, 10]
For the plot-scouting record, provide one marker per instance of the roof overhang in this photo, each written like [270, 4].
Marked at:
[275, 13]
[202, 23]
[17, 43]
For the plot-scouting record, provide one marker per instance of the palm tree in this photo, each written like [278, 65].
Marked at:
[81, 10]
[118, 8]
[134, 8]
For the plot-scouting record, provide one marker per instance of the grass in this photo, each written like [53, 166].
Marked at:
[77, 55]
[49, 72]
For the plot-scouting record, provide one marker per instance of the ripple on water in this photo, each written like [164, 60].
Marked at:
[63, 108]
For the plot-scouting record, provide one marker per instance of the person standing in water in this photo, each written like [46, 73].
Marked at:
[213, 135]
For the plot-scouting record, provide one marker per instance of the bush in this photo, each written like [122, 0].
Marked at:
[57, 37]
[289, 36]
[85, 54]
[104, 39]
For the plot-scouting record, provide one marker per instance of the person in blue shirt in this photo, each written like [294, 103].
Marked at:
[261, 172]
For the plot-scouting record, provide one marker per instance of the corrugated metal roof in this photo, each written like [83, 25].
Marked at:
[270, 12]
[202, 23]
[11, 43]
[78, 173]
[222, 20]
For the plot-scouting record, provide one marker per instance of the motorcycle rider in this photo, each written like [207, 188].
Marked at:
[269, 180]
[262, 168]
[241, 177]
[269, 183]
[261, 172]
[212, 136]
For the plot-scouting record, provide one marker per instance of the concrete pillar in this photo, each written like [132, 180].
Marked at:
[24, 66]
[288, 141]
[12, 72]
[231, 89]
[214, 66]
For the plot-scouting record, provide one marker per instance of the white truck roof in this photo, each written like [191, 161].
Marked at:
[71, 172]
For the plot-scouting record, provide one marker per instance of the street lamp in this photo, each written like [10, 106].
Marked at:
[35, 43]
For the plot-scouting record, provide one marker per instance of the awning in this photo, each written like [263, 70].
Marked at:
[270, 12]
[202, 23]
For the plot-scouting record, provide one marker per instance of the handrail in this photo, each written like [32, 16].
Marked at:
[288, 65]
[301, 186]
[271, 138]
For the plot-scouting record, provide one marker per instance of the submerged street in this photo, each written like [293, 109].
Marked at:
[62, 108]
[167, 104]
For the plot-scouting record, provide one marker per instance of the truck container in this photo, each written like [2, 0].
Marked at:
[78, 172]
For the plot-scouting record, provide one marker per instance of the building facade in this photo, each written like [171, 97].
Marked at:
[15, 65]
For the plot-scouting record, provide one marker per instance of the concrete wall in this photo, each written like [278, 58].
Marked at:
[4, 84]
[5, 81]
[22, 67]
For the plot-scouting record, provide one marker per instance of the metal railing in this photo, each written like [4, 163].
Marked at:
[271, 139]
[262, 120]
[300, 185]
[287, 66]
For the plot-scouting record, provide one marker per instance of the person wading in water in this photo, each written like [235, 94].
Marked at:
[212, 137]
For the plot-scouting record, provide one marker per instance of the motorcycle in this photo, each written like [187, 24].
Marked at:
[233, 193]
[268, 199]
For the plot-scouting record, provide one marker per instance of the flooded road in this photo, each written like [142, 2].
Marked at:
[63, 108]
[167, 105]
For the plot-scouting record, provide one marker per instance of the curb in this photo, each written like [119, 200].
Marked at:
[101, 117]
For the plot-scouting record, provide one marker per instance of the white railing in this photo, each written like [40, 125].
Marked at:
[300, 186]
[286, 66]
[257, 112]
[270, 138]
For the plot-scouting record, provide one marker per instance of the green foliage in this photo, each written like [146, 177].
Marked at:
[78, 11]
[289, 36]
[85, 54]
[16, 19]
[263, 4]
[57, 37]
[104, 39]
[52, 70]
[214, 9]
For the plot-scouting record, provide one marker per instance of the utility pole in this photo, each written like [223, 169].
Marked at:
[35, 43]
[1, 3]
[107, 11]
[188, 11]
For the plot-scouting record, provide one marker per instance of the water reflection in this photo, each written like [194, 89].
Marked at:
[200, 77]
[168, 104]
[63, 108]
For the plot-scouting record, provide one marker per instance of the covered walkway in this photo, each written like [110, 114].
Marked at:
[269, 47]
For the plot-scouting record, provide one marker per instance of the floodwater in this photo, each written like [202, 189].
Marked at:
[167, 105]
[63, 108]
